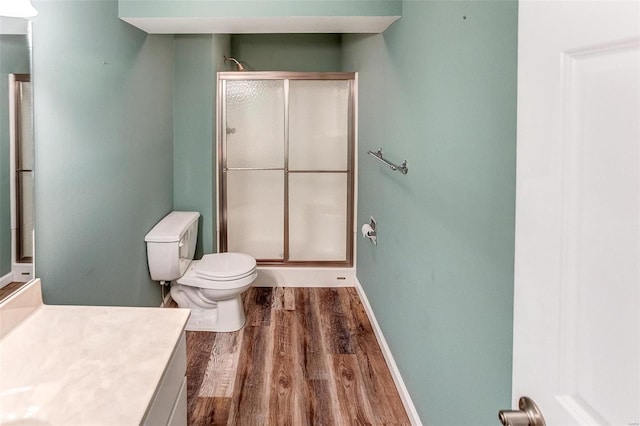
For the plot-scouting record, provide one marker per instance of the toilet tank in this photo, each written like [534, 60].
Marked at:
[171, 245]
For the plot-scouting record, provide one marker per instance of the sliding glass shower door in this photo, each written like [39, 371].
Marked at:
[285, 163]
[254, 170]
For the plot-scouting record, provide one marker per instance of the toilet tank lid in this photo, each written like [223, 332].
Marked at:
[171, 227]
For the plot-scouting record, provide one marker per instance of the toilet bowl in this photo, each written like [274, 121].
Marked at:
[210, 287]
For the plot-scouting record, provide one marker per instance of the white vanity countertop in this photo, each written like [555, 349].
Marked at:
[81, 365]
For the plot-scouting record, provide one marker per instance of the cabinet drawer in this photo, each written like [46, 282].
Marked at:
[169, 389]
[179, 414]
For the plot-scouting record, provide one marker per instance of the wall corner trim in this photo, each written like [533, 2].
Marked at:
[412, 413]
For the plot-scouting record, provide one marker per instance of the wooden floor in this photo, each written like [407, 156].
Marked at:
[9, 289]
[307, 356]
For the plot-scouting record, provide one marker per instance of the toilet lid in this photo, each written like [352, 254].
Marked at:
[225, 266]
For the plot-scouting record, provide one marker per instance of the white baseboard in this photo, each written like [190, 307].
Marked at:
[393, 368]
[6, 280]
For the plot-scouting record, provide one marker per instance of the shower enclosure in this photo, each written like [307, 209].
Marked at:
[286, 166]
[21, 165]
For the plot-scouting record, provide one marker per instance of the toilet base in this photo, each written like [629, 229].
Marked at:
[227, 316]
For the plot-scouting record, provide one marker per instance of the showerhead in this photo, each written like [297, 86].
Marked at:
[238, 64]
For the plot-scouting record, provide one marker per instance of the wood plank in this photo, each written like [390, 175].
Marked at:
[289, 299]
[313, 363]
[220, 375]
[322, 402]
[278, 298]
[199, 346]
[312, 352]
[288, 387]
[259, 299]
[284, 298]
[202, 412]
[353, 404]
[9, 289]
[221, 411]
[335, 323]
[250, 400]
[210, 411]
[360, 326]
[381, 390]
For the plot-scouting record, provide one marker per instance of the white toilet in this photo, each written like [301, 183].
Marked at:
[210, 287]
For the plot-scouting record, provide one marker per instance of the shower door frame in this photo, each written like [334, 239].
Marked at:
[17, 171]
[221, 163]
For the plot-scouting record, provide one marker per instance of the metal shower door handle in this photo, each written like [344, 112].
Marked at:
[528, 415]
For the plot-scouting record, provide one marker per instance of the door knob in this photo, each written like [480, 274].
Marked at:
[528, 415]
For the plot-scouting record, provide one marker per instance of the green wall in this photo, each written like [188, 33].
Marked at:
[14, 58]
[197, 58]
[438, 88]
[288, 52]
[104, 142]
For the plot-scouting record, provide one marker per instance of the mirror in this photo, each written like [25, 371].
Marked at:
[16, 153]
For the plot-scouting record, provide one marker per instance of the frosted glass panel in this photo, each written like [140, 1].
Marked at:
[318, 124]
[317, 216]
[255, 123]
[255, 211]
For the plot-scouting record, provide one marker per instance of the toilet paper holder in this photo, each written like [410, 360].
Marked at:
[369, 231]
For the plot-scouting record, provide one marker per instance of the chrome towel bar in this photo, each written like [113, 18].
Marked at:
[401, 168]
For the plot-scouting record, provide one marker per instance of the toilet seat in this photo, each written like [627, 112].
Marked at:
[225, 266]
[192, 280]
[224, 280]
[220, 271]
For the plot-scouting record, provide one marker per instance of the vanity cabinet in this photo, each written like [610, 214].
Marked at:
[169, 406]
[91, 365]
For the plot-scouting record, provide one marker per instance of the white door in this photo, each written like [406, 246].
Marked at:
[577, 260]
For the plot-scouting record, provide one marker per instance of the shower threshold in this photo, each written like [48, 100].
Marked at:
[279, 276]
